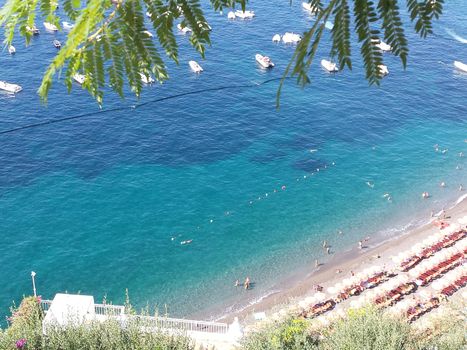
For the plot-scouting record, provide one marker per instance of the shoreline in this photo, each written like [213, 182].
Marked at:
[299, 284]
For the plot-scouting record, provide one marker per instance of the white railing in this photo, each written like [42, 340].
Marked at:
[157, 322]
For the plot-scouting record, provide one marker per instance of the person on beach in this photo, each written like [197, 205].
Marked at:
[360, 245]
[352, 273]
[328, 250]
[461, 188]
[247, 283]
[325, 244]
[237, 283]
[339, 232]
[425, 195]
[338, 271]
[316, 263]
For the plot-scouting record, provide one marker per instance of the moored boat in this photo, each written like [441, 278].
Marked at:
[264, 61]
[244, 14]
[276, 38]
[461, 66]
[307, 6]
[11, 88]
[57, 44]
[67, 25]
[331, 67]
[195, 67]
[33, 30]
[382, 45]
[148, 33]
[184, 30]
[231, 15]
[383, 70]
[11, 50]
[147, 79]
[50, 27]
[291, 38]
[79, 78]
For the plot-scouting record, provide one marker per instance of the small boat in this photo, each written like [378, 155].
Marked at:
[11, 50]
[204, 26]
[329, 66]
[461, 66]
[67, 25]
[184, 30]
[12, 88]
[186, 242]
[264, 61]
[276, 38]
[33, 30]
[50, 27]
[195, 67]
[328, 25]
[148, 14]
[307, 7]
[79, 78]
[291, 38]
[231, 15]
[57, 44]
[146, 79]
[148, 33]
[382, 45]
[383, 70]
[244, 15]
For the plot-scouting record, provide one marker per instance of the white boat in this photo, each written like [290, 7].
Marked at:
[12, 88]
[328, 25]
[148, 33]
[11, 50]
[50, 27]
[195, 67]
[231, 15]
[184, 30]
[461, 66]
[383, 70]
[244, 15]
[67, 25]
[204, 26]
[33, 30]
[276, 38]
[307, 6]
[382, 45]
[289, 38]
[264, 61]
[148, 14]
[331, 67]
[79, 78]
[57, 44]
[147, 79]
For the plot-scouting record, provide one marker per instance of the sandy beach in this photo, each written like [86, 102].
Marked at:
[342, 264]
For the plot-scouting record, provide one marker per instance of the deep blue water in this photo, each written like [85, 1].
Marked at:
[92, 204]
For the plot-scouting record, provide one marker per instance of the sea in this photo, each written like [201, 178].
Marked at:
[98, 201]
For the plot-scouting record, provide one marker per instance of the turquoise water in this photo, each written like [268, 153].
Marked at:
[92, 204]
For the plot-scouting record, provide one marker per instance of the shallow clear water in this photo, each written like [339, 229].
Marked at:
[92, 204]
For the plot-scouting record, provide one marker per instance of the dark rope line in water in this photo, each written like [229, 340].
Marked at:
[195, 92]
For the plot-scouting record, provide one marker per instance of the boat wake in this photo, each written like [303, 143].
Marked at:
[455, 36]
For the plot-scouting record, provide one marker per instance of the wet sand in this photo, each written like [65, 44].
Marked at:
[374, 253]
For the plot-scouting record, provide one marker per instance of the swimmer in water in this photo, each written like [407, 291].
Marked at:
[444, 151]
[247, 283]
[442, 184]
[461, 188]
[325, 244]
[328, 250]
[461, 154]
[370, 184]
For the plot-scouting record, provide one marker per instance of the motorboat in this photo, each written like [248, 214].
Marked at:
[204, 26]
[264, 61]
[50, 27]
[195, 67]
[244, 14]
[276, 38]
[67, 25]
[33, 30]
[331, 67]
[57, 44]
[11, 50]
[383, 70]
[79, 78]
[231, 15]
[11, 88]
[328, 25]
[307, 7]
[461, 66]
[148, 14]
[147, 79]
[382, 45]
[291, 38]
[148, 33]
[184, 30]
